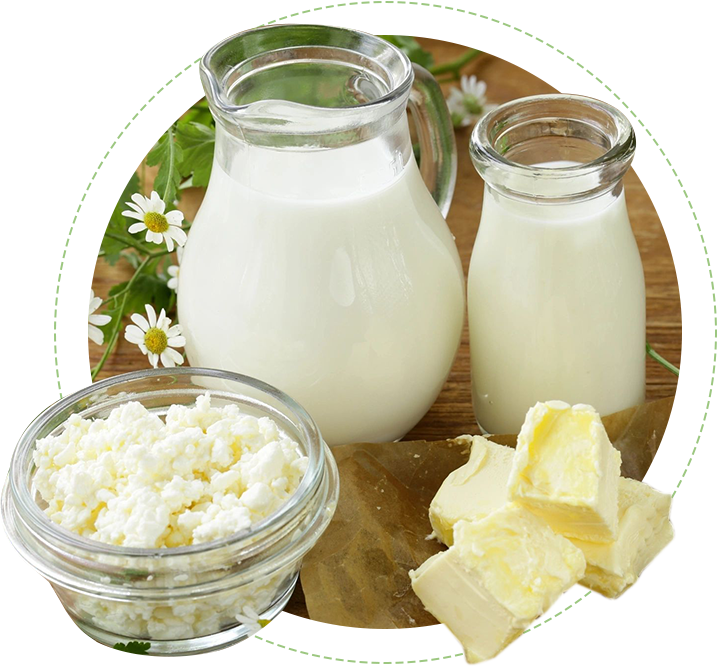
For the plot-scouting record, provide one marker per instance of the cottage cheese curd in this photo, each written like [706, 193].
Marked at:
[134, 479]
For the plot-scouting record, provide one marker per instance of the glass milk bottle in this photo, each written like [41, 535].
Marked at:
[556, 292]
[320, 261]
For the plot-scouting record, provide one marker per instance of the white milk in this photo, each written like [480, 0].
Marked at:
[352, 305]
[556, 307]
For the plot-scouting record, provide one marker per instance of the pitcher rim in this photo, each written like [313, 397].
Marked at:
[215, 90]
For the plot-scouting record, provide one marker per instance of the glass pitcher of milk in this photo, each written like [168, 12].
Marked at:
[556, 292]
[320, 261]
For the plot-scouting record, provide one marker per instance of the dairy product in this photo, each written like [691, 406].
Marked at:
[505, 565]
[566, 471]
[135, 479]
[644, 529]
[556, 307]
[344, 292]
[501, 573]
[472, 491]
[181, 619]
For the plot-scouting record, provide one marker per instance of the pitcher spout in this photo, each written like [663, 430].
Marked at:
[308, 86]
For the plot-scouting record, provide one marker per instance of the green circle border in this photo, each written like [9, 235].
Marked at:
[653, 61]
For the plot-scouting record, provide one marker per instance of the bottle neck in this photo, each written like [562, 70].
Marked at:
[347, 171]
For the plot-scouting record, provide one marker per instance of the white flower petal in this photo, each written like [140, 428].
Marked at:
[142, 202]
[134, 216]
[176, 341]
[170, 242]
[99, 319]
[167, 360]
[95, 302]
[94, 334]
[158, 205]
[173, 283]
[172, 270]
[137, 227]
[163, 321]
[180, 255]
[174, 330]
[151, 315]
[153, 359]
[141, 322]
[134, 334]
[134, 207]
[178, 235]
[175, 357]
[175, 217]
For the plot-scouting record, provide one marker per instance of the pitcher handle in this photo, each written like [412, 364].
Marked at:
[439, 162]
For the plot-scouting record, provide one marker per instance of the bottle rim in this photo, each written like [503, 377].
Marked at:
[567, 120]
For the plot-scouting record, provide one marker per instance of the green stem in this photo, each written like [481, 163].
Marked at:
[111, 342]
[663, 362]
[172, 150]
[455, 66]
[129, 241]
[132, 280]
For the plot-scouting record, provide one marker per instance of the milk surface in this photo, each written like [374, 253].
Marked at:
[556, 303]
[351, 304]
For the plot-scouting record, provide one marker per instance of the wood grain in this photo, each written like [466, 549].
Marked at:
[452, 413]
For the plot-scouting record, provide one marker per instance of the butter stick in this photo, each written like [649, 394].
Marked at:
[644, 529]
[565, 470]
[472, 491]
[501, 573]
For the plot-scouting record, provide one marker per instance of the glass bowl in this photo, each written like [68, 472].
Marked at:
[187, 599]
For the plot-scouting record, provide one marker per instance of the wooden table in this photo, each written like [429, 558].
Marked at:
[452, 413]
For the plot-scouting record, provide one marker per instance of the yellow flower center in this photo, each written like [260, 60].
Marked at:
[156, 222]
[155, 339]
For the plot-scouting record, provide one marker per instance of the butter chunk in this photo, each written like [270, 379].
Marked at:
[644, 529]
[565, 470]
[501, 573]
[474, 490]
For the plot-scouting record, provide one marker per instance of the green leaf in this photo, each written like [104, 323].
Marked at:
[135, 647]
[197, 144]
[200, 113]
[167, 153]
[131, 188]
[147, 288]
[411, 47]
[118, 223]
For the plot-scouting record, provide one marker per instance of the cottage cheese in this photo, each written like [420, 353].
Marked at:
[134, 479]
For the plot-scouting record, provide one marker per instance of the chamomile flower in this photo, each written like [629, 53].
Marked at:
[173, 271]
[156, 338]
[160, 226]
[95, 320]
[250, 619]
[468, 104]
